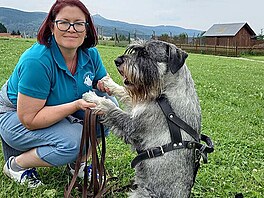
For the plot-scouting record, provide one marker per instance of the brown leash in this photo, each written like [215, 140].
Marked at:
[97, 187]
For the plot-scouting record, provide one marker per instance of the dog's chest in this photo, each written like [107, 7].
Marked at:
[151, 128]
[139, 109]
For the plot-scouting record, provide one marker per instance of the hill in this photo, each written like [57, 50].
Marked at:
[25, 22]
[29, 22]
[140, 30]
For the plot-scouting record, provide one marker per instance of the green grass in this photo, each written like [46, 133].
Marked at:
[258, 58]
[231, 93]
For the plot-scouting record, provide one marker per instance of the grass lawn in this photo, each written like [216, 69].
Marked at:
[257, 58]
[231, 93]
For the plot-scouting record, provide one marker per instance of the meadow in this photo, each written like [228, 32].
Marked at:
[231, 93]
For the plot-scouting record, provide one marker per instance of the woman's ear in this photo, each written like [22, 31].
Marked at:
[51, 26]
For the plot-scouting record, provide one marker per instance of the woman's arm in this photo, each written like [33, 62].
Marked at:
[33, 113]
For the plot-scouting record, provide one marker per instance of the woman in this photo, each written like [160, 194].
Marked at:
[45, 90]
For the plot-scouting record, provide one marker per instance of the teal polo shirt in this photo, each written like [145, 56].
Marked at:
[42, 73]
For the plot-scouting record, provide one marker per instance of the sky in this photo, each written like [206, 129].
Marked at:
[190, 14]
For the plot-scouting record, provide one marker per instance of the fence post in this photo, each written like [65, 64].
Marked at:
[215, 50]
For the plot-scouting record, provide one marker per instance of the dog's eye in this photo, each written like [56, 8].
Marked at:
[143, 53]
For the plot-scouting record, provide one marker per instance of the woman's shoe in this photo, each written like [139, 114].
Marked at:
[29, 176]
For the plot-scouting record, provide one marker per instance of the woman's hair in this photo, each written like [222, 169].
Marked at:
[44, 33]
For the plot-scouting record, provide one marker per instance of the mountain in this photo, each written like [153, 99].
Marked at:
[25, 22]
[29, 22]
[141, 30]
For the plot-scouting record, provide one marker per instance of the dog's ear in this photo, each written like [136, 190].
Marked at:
[176, 58]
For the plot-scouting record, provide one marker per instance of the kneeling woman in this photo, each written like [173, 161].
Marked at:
[46, 88]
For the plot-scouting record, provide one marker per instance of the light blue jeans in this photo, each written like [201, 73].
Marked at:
[57, 145]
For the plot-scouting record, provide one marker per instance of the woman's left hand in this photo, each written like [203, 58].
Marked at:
[102, 88]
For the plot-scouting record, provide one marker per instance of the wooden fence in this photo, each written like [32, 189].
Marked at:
[221, 50]
[200, 48]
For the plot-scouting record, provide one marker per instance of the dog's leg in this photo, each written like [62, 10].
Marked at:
[121, 122]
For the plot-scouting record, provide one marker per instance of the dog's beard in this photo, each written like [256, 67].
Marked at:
[142, 84]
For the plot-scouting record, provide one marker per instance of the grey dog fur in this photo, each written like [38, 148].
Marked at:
[144, 125]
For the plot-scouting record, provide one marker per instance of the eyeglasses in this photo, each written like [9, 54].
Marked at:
[64, 26]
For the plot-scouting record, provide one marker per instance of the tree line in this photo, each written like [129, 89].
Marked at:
[3, 29]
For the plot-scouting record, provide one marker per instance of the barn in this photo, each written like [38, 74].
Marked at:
[231, 34]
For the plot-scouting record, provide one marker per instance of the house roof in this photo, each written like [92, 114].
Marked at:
[230, 29]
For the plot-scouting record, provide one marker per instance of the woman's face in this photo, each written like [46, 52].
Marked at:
[70, 39]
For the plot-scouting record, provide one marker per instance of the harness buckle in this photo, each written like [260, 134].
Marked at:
[161, 149]
[155, 152]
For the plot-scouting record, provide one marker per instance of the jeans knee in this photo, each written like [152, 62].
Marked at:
[69, 151]
[61, 154]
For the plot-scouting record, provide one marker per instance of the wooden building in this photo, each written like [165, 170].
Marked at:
[232, 34]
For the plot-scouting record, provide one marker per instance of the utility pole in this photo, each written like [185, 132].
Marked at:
[261, 36]
[115, 35]
[102, 35]
[135, 35]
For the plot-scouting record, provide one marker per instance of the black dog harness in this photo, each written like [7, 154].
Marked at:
[175, 124]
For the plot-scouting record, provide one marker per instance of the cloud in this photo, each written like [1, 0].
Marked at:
[194, 14]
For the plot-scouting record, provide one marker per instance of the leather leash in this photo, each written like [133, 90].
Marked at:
[97, 187]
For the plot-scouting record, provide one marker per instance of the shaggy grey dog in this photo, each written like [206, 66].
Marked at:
[149, 70]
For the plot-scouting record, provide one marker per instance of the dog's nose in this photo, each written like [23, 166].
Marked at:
[119, 61]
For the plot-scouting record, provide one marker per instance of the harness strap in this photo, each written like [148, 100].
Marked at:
[161, 150]
[175, 123]
[205, 149]
[157, 151]
[173, 120]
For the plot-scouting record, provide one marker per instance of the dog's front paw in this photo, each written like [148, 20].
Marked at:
[109, 83]
[114, 88]
[91, 97]
[102, 104]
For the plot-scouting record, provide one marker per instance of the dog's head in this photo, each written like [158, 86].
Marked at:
[144, 68]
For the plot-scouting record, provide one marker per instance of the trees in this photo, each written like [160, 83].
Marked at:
[15, 33]
[2, 28]
[180, 39]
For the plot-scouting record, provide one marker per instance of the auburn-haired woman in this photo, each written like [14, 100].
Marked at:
[44, 93]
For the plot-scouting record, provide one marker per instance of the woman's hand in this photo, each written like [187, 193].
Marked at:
[81, 104]
[102, 88]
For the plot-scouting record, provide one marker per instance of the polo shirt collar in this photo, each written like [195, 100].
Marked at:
[83, 58]
[57, 55]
